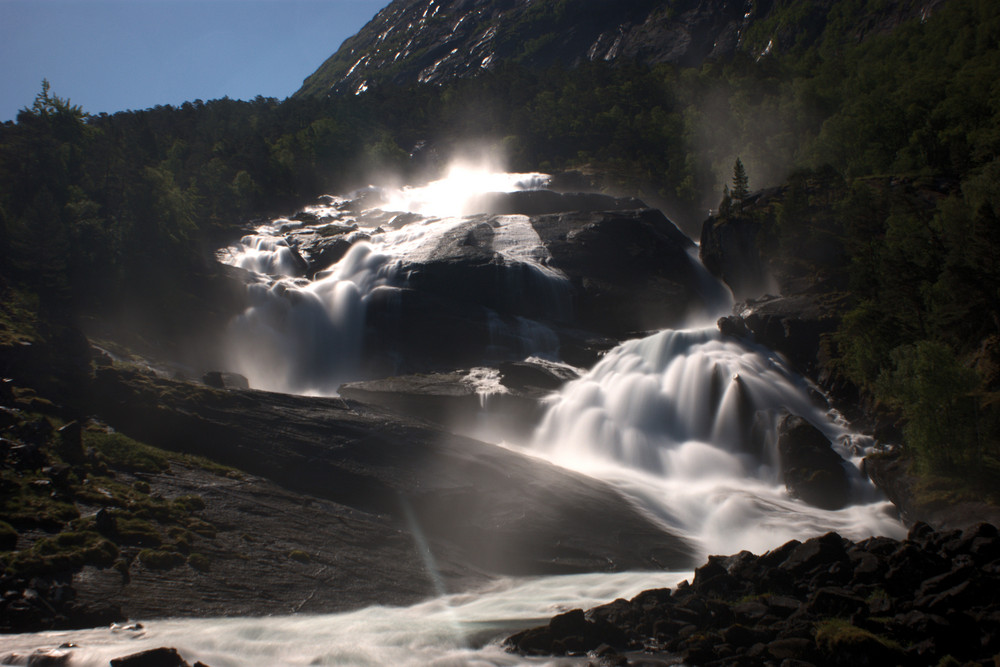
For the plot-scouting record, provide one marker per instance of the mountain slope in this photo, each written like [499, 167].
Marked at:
[432, 41]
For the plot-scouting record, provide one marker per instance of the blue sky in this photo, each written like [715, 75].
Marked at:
[111, 55]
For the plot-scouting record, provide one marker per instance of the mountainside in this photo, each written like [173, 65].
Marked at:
[432, 41]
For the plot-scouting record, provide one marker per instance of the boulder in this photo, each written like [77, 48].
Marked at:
[504, 403]
[812, 470]
[951, 613]
[156, 657]
[890, 472]
[225, 380]
[629, 270]
[729, 250]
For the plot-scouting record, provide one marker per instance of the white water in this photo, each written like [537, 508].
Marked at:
[307, 337]
[453, 630]
[665, 419]
[684, 423]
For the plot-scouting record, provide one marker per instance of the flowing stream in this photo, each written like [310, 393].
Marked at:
[681, 422]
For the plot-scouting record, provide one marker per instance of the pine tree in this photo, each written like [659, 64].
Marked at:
[741, 182]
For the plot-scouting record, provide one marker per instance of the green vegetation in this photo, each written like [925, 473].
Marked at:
[126, 452]
[156, 559]
[299, 555]
[838, 637]
[57, 515]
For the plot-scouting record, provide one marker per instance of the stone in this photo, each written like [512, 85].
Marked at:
[156, 657]
[71, 442]
[835, 602]
[795, 648]
[225, 380]
[812, 470]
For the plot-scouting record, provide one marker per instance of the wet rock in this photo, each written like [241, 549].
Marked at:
[469, 401]
[225, 380]
[546, 202]
[853, 624]
[730, 252]
[812, 470]
[479, 504]
[157, 657]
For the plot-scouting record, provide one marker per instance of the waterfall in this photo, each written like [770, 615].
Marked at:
[307, 336]
[684, 423]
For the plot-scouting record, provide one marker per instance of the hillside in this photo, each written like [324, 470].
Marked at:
[434, 41]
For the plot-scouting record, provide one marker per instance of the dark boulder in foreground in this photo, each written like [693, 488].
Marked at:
[154, 657]
[826, 601]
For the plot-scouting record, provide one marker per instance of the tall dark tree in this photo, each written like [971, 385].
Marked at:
[741, 182]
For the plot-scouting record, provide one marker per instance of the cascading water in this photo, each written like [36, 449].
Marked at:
[684, 423]
[307, 336]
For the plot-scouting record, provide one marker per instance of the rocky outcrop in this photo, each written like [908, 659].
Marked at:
[917, 502]
[434, 41]
[630, 271]
[470, 298]
[825, 601]
[431, 41]
[729, 250]
[225, 380]
[504, 403]
[477, 504]
[812, 470]
[546, 202]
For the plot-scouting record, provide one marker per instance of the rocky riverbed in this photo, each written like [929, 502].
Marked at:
[928, 599]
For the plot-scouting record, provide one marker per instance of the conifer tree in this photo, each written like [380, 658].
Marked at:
[741, 183]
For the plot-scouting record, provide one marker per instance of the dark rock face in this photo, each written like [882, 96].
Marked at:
[546, 202]
[478, 504]
[812, 470]
[225, 380]
[630, 271]
[793, 325]
[825, 601]
[31, 604]
[612, 271]
[729, 251]
[506, 402]
[433, 41]
[890, 472]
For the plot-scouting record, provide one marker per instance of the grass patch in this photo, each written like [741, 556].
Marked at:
[39, 490]
[199, 562]
[66, 552]
[135, 531]
[837, 636]
[158, 559]
[27, 500]
[121, 451]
